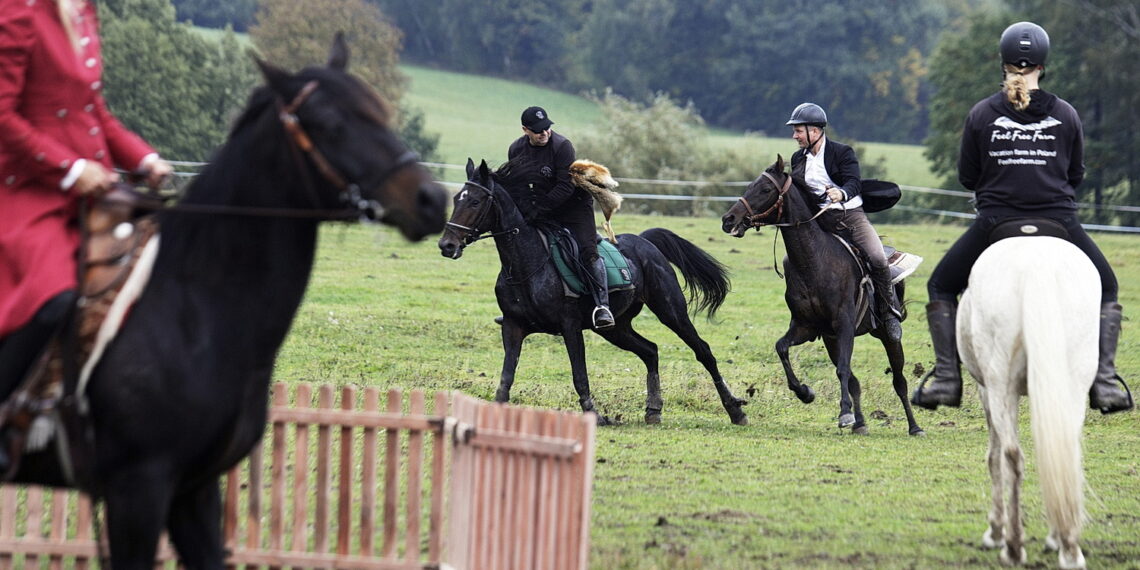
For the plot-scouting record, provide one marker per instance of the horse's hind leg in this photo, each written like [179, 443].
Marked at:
[671, 311]
[994, 537]
[898, 362]
[1005, 453]
[624, 337]
[795, 336]
[194, 528]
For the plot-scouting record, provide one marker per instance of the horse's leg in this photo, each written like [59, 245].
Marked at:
[898, 379]
[672, 312]
[513, 336]
[137, 502]
[844, 345]
[994, 537]
[624, 337]
[854, 388]
[194, 527]
[1003, 399]
[795, 336]
[576, 350]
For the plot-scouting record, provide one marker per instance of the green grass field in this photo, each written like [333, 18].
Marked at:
[788, 491]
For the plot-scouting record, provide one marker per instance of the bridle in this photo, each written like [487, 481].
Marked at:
[756, 220]
[355, 205]
[473, 234]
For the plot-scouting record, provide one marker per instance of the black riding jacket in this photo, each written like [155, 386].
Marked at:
[1022, 163]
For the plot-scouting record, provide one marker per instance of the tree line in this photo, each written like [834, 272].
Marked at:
[885, 70]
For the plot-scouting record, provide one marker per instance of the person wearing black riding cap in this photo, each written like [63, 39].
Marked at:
[547, 156]
[1022, 155]
[832, 173]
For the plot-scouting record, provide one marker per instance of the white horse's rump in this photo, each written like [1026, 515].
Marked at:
[1028, 325]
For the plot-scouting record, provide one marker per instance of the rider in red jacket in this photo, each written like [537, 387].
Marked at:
[58, 142]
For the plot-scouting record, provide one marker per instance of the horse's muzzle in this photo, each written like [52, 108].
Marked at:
[729, 224]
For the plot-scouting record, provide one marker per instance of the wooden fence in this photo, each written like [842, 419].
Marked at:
[351, 485]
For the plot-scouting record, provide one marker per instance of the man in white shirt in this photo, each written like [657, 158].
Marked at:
[832, 173]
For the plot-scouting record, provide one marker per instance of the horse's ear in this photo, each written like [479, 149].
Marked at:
[484, 170]
[779, 162]
[470, 168]
[338, 53]
[277, 78]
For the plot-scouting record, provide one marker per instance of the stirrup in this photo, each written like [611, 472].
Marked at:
[607, 317]
[925, 401]
[1127, 392]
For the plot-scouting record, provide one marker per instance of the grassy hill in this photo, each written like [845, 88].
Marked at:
[478, 117]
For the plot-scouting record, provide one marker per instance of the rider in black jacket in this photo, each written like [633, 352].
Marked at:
[546, 157]
[1022, 155]
[832, 173]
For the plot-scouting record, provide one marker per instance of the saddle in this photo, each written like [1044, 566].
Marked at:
[1028, 227]
[564, 252]
[49, 402]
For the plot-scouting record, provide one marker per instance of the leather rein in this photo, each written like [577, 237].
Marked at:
[756, 220]
[356, 206]
[472, 233]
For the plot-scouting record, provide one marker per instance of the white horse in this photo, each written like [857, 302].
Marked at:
[1028, 325]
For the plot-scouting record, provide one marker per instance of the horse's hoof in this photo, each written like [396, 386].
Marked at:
[806, 394]
[740, 420]
[861, 430]
[989, 542]
[846, 420]
[605, 421]
[918, 432]
[653, 418]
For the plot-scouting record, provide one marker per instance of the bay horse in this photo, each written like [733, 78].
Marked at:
[530, 293]
[824, 290]
[181, 394]
[1028, 325]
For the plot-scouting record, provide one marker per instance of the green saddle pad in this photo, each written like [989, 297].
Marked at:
[617, 267]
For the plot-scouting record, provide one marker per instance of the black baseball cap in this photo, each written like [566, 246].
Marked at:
[536, 119]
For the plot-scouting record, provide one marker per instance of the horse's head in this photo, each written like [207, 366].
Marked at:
[473, 213]
[340, 126]
[762, 202]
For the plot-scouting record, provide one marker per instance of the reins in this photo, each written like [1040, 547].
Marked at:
[756, 222]
[301, 146]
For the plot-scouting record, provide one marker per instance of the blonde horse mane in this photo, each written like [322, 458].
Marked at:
[595, 179]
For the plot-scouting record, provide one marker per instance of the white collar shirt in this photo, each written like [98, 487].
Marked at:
[815, 174]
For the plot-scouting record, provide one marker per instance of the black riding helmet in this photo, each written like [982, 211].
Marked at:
[808, 114]
[1024, 44]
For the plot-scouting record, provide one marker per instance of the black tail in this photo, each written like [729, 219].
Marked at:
[706, 279]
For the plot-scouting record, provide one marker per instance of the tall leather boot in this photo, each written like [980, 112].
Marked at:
[887, 305]
[21, 349]
[945, 380]
[1105, 395]
[602, 316]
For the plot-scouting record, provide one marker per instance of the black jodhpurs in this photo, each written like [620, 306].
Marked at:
[952, 273]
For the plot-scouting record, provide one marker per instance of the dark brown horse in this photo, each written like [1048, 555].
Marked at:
[181, 394]
[825, 291]
[531, 294]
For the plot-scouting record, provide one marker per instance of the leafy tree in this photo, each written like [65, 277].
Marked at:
[661, 140]
[297, 33]
[169, 84]
[237, 14]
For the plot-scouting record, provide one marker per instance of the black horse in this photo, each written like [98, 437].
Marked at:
[824, 289]
[530, 291]
[181, 394]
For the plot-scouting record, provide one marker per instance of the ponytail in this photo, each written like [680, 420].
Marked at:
[1016, 86]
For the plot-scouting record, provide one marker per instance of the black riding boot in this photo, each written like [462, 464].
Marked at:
[1105, 395]
[887, 305]
[602, 317]
[21, 349]
[945, 387]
